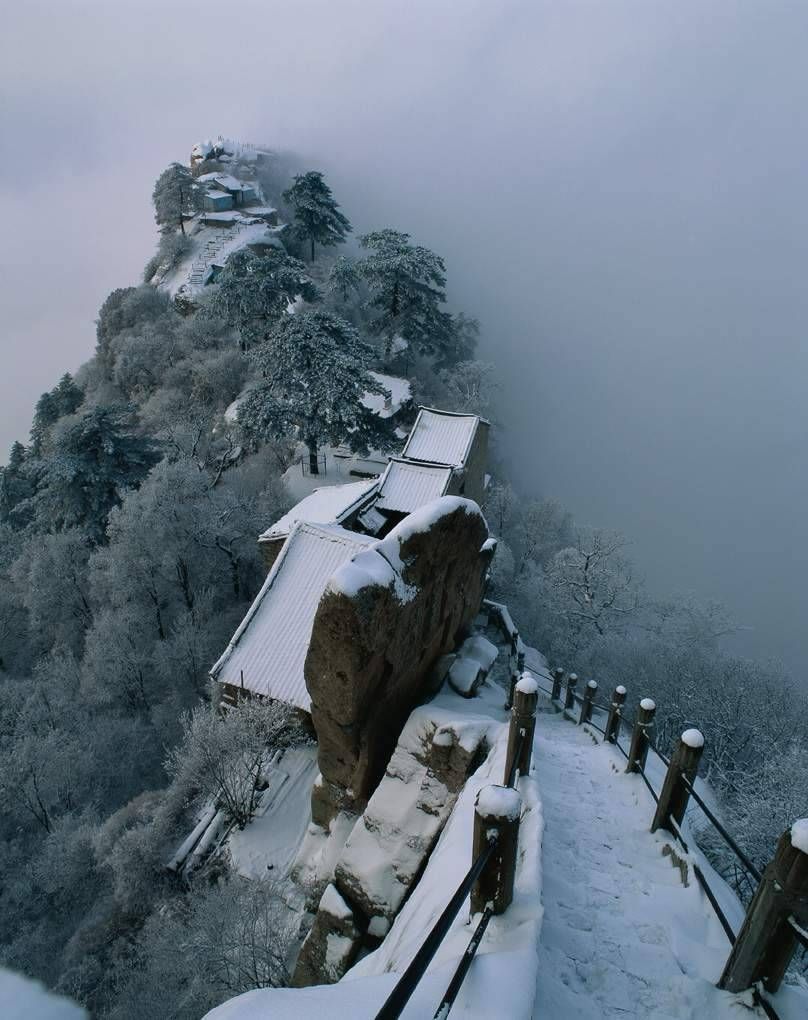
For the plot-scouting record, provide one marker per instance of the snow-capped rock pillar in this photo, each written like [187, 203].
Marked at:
[572, 683]
[675, 792]
[522, 727]
[558, 678]
[766, 941]
[497, 811]
[615, 715]
[640, 736]
[590, 691]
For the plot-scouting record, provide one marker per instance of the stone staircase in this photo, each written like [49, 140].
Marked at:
[207, 255]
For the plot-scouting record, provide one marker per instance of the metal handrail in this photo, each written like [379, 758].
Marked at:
[406, 984]
[449, 996]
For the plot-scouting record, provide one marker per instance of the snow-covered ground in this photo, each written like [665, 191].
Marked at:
[621, 936]
[23, 999]
[267, 846]
[601, 925]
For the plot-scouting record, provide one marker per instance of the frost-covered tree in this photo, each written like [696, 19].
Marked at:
[317, 214]
[588, 591]
[343, 279]
[222, 757]
[95, 457]
[255, 290]
[17, 484]
[408, 286]
[126, 308]
[469, 387]
[64, 399]
[218, 942]
[176, 196]
[314, 375]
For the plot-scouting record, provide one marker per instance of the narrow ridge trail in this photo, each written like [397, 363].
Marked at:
[621, 935]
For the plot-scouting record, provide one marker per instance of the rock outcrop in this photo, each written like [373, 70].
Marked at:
[384, 619]
[390, 843]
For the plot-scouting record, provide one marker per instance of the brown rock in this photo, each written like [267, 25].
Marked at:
[372, 649]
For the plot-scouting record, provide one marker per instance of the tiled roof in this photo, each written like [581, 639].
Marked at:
[269, 647]
[330, 504]
[407, 485]
[441, 437]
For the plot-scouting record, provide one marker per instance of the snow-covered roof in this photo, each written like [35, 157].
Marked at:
[269, 647]
[442, 437]
[330, 504]
[215, 193]
[400, 392]
[243, 150]
[225, 181]
[406, 485]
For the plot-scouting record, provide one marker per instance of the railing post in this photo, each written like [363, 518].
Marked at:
[615, 715]
[516, 662]
[558, 676]
[766, 942]
[674, 795]
[569, 697]
[590, 691]
[497, 811]
[638, 749]
[522, 727]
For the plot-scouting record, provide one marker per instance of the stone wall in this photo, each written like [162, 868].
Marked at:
[385, 617]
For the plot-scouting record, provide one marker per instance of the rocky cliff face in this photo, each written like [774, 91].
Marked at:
[382, 623]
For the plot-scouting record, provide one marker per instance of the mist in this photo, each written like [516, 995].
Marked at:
[618, 190]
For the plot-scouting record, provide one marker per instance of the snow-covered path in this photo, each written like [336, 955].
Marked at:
[621, 935]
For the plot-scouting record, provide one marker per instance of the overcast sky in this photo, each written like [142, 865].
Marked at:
[619, 190]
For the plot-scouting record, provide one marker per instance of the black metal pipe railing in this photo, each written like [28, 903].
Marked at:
[406, 985]
[750, 867]
[514, 772]
[449, 996]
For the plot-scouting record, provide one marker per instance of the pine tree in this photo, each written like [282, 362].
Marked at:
[176, 195]
[408, 286]
[314, 376]
[93, 460]
[16, 486]
[317, 215]
[65, 398]
[343, 279]
[254, 290]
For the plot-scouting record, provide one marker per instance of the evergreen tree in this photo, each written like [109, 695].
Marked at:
[94, 459]
[65, 398]
[408, 287]
[16, 487]
[254, 290]
[317, 215]
[176, 195]
[314, 376]
[343, 280]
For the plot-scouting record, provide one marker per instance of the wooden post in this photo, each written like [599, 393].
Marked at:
[615, 715]
[558, 676]
[496, 813]
[569, 698]
[766, 943]
[674, 795]
[514, 660]
[590, 691]
[522, 727]
[638, 749]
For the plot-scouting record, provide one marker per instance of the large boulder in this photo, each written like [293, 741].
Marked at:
[383, 621]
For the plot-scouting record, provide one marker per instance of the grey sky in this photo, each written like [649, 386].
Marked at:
[618, 188]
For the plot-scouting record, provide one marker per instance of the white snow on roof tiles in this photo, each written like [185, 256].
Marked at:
[330, 504]
[400, 392]
[441, 437]
[405, 485]
[226, 181]
[270, 645]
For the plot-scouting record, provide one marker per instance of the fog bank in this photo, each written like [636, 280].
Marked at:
[618, 191]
